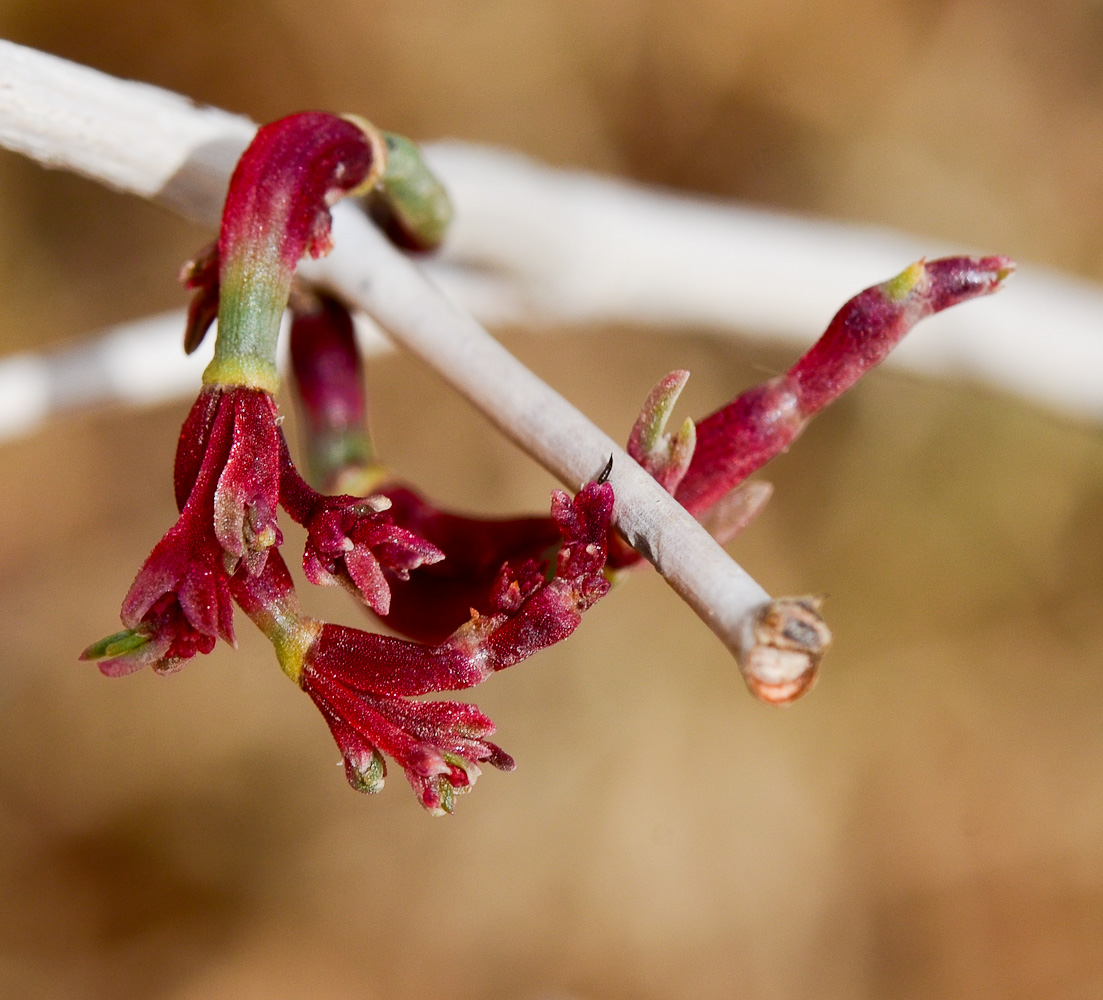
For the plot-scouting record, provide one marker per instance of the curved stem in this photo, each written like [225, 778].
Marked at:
[276, 212]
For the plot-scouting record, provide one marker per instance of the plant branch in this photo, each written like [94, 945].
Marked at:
[160, 146]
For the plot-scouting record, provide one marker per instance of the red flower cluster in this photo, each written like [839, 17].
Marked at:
[234, 471]
[227, 489]
[472, 596]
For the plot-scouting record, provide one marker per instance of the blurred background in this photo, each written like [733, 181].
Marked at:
[928, 822]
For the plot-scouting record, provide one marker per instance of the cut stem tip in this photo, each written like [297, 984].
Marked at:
[783, 642]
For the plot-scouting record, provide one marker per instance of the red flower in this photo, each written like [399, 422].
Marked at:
[439, 744]
[227, 488]
[350, 540]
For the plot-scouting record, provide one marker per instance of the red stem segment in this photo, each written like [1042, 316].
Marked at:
[744, 435]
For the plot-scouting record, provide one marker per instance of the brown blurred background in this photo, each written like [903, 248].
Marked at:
[929, 822]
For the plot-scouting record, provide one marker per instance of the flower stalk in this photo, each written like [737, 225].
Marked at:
[327, 380]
